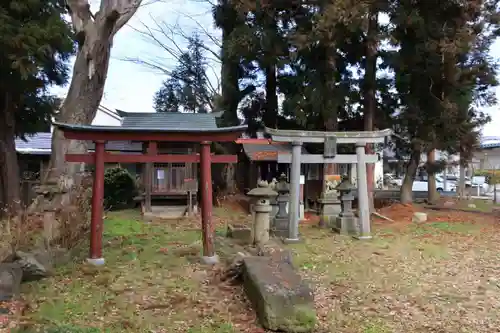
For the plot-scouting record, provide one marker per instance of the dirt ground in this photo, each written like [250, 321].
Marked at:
[440, 276]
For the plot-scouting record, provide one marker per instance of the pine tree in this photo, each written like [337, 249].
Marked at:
[442, 70]
[36, 43]
[187, 89]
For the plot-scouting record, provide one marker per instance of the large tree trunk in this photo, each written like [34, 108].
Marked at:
[9, 177]
[406, 194]
[230, 90]
[461, 181]
[271, 114]
[432, 194]
[370, 103]
[95, 37]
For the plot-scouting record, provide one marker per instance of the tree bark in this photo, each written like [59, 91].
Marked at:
[9, 169]
[370, 103]
[432, 194]
[406, 194]
[271, 114]
[461, 180]
[230, 90]
[94, 35]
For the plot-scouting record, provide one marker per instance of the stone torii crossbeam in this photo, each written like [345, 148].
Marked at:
[330, 141]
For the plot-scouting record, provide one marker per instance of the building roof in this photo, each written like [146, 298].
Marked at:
[169, 120]
[267, 152]
[37, 144]
[40, 144]
[489, 142]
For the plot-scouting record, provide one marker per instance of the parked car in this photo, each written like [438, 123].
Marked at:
[423, 185]
[392, 180]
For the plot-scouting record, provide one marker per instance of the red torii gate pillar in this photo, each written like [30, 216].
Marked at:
[100, 134]
[96, 222]
[207, 225]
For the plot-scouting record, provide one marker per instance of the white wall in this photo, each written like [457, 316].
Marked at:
[106, 118]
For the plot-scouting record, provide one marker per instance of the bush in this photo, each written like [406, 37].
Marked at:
[492, 176]
[119, 188]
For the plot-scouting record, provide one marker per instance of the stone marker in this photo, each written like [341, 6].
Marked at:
[419, 217]
[282, 300]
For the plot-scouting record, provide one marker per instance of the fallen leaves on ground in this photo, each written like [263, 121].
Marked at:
[440, 276]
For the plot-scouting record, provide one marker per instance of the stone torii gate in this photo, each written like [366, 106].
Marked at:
[330, 141]
[100, 134]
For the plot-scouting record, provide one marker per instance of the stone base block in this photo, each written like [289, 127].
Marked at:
[330, 210]
[287, 240]
[282, 300]
[347, 225]
[210, 260]
[280, 227]
[239, 232]
[96, 261]
[10, 280]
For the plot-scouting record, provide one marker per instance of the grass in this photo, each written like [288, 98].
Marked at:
[485, 206]
[151, 283]
[432, 277]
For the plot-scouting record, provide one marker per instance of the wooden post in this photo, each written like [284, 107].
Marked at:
[209, 256]
[96, 223]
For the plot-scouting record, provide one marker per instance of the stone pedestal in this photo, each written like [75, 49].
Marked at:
[280, 223]
[330, 210]
[329, 202]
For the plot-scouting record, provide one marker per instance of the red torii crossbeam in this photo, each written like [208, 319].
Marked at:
[100, 134]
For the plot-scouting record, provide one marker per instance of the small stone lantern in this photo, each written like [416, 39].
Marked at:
[346, 222]
[262, 207]
[280, 221]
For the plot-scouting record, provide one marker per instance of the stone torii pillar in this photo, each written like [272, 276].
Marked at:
[363, 199]
[294, 208]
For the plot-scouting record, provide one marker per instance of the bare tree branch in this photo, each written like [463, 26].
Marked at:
[165, 36]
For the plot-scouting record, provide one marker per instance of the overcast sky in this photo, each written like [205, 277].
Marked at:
[130, 87]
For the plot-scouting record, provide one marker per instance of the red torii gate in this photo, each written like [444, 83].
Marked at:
[100, 134]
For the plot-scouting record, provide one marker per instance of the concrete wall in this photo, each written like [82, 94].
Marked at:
[487, 159]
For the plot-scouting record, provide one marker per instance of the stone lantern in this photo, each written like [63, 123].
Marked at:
[346, 222]
[281, 221]
[261, 208]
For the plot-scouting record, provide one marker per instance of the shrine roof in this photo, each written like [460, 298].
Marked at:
[158, 128]
[168, 120]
